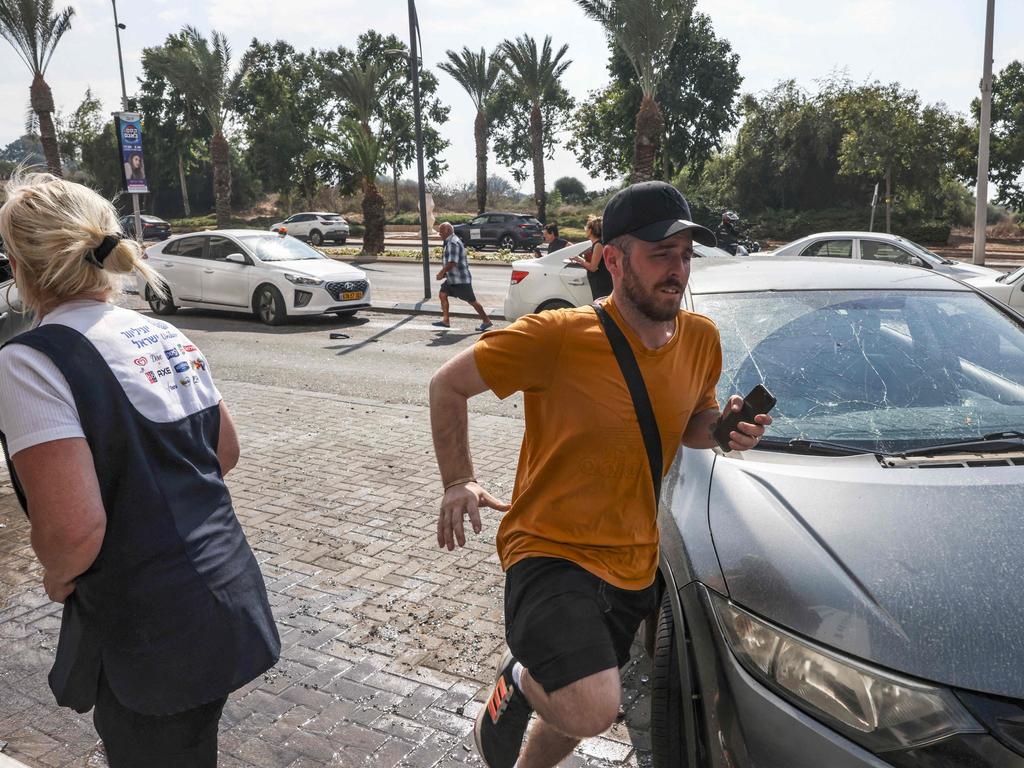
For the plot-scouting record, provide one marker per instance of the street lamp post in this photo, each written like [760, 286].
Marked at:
[414, 70]
[124, 105]
[984, 131]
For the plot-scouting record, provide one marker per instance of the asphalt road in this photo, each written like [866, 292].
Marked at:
[378, 356]
[403, 281]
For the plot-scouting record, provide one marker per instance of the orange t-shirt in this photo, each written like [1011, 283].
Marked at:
[583, 488]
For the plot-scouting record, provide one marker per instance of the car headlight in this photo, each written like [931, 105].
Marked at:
[301, 279]
[876, 709]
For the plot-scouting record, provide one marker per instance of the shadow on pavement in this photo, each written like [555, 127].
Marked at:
[346, 349]
[241, 322]
[446, 338]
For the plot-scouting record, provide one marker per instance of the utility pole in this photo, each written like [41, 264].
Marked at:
[984, 134]
[414, 67]
[124, 105]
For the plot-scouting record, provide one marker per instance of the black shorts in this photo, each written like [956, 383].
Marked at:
[563, 623]
[462, 291]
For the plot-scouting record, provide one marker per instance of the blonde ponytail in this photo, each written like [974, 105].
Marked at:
[52, 229]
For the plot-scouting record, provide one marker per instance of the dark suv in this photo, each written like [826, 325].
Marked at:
[511, 231]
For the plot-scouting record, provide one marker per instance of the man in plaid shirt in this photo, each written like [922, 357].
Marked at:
[457, 280]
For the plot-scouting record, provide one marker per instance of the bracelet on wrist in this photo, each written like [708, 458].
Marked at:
[460, 481]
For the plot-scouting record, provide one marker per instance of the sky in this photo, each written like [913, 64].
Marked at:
[932, 46]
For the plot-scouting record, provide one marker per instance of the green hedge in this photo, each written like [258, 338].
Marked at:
[411, 218]
[791, 225]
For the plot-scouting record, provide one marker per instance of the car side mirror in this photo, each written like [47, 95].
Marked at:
[236, 258]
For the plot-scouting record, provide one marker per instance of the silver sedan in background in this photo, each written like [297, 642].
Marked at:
[878, 246]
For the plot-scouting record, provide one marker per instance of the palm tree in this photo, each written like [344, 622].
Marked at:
[478, 76]
[645, 30]
[202, 74]
[361, 87]
[33, 29]
[534, 78]
[363, 152]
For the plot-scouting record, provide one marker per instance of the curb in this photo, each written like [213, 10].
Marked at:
[426, 308]
[10, 762]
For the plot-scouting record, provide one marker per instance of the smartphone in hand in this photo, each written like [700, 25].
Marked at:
[758, 400]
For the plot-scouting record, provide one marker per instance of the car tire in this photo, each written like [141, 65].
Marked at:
[507, 243]
[268, 305]
[341, 240]
[667, 747]
[554, 304]
[346, 313]
[316, 237]
[159, 306]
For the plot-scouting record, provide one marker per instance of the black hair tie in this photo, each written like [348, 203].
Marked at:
[101, 251]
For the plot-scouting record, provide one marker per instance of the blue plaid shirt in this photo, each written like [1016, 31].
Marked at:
[455, 253]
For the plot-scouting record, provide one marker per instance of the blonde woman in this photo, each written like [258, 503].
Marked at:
[117, 442]
[592, 260]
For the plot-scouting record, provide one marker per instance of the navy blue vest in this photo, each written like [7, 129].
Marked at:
[174, 608]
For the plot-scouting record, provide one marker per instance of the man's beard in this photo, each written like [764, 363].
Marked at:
[647, 301]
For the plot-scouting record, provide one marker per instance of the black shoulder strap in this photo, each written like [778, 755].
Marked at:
[638, 391]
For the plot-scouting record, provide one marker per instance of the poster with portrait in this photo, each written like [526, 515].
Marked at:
[129, 139]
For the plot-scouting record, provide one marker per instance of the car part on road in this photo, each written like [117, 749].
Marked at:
[269, 305]
[160, 306]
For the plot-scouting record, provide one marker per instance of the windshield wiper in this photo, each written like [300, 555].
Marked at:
[994, 442]
[815, 447]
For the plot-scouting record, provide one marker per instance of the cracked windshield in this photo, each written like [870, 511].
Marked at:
[883, 372]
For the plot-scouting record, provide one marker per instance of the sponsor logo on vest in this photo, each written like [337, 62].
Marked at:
[167, 336]
[190, 348]
[156, 358]
[160, 324]
[141, 361]
[181, 367]
[151, 377]
[161, 372]
[171, 353]
[199, 363]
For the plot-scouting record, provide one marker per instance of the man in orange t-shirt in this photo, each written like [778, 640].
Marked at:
[579, 542]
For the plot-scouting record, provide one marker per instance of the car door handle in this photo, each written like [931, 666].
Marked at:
[168, 264]
[576, 281]
[208, 271]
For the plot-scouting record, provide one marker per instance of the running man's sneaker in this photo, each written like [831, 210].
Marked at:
[485, 326]
[501, 723]
[441, 324]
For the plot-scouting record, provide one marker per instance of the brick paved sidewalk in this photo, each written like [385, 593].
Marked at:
[389, 643]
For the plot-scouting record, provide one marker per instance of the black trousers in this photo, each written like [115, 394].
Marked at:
[132, 740]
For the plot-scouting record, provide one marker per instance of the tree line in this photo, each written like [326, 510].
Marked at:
[219, 132]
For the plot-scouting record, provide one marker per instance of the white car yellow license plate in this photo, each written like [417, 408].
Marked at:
[350, 295]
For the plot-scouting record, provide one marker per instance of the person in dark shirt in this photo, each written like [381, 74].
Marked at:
[592, 260]
[555, 243]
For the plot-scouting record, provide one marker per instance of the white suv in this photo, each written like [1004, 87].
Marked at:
[274, 276]
[315, 226]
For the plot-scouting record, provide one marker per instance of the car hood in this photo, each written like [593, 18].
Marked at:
[321, 268]
[964, 270]
[917, 570]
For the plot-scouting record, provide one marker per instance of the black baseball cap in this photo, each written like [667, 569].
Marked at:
[651, 211]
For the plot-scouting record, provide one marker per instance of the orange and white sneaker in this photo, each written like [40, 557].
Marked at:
[501, 724]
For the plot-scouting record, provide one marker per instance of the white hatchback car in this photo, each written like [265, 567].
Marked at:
[316, 227]
[239, 270]
[1007, 288]
[549, 282]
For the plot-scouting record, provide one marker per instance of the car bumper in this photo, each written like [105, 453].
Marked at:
[747, 725]
[320, 301]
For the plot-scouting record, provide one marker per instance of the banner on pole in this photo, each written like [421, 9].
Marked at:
[129, 140]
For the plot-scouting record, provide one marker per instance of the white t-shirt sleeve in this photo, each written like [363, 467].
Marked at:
[36, 404]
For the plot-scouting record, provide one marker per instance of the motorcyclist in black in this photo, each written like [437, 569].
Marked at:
[728, 234]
